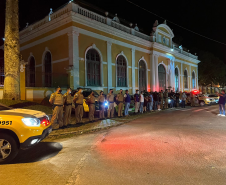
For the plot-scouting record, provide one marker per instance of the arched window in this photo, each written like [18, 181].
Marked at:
[142, 76]
[162, 77]
[48, 69]
[93, 68]
[121, 71]
[30, 73]
[176, 79]
[185, 79]
[193, 80]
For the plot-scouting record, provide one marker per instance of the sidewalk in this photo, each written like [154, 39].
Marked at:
[87, 127]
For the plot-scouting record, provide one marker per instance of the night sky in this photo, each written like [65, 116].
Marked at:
[206, 17]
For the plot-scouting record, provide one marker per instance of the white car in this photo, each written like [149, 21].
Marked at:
[214, 97]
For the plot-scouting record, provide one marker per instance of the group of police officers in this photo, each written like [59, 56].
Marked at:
[63, 103]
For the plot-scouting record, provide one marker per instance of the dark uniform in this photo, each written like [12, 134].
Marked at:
[120, 99]
[91, 103]
[101, 100]
[110, 99]
[67, 108]
[166, 99]
[57, 100]
[161, 100]
[78, 100]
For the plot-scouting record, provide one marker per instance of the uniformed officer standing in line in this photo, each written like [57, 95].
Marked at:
[161, 100]
[166, 99]
[78, 100]
[67, 107]
[120, 99]
[91, 102]
[110, 99]
[57, 100]
[101, 100]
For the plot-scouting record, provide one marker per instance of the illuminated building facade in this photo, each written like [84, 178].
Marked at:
[79, 48]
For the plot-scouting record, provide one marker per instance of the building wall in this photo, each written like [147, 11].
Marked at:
[88, 35]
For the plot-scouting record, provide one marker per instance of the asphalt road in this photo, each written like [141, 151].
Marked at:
[180, 146]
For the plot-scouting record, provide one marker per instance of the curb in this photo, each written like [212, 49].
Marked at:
[80, 132]
[86, 131]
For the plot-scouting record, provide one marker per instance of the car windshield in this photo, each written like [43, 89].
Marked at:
[213, 95]
[87, 93]
[4, 107]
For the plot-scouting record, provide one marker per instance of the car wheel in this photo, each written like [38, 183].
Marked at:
[202, 103]
[8, 148]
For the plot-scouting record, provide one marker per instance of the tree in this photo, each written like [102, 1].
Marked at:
[212, 70]
[12, 52]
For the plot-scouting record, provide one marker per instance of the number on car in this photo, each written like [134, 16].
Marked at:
[6, 122]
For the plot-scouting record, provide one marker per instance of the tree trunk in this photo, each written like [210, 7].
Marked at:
[12, 52]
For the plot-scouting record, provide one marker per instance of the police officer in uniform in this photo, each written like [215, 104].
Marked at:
[78, 100]
[57, 100]
[110, 99]
[91, 103]
[166, 99]
[101, 100]
[67, 107]
[120, 99]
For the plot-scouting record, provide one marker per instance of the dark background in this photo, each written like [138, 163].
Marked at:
[206, 17]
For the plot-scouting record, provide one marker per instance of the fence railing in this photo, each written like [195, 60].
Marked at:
[120, 27]
[91, 15]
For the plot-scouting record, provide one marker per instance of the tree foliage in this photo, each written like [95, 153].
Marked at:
[211, 69]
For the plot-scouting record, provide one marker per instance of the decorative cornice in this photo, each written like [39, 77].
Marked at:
[74, 32]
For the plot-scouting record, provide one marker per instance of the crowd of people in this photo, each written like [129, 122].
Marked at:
[143, 102]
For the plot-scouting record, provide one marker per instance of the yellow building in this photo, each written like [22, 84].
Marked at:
[79, 48]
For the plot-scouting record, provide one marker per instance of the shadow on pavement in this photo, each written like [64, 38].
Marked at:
[40, 152]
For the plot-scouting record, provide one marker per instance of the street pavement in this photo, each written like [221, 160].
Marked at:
[175, 146]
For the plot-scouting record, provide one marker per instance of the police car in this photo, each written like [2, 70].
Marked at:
[20, 129]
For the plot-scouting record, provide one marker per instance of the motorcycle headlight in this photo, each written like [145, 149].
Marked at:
[208, 99]
[31, 122]
[106, 104]
[169, 100]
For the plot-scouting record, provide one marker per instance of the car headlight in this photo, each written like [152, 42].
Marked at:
[32, 122]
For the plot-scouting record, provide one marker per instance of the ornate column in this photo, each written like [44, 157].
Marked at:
[197, 78]
[152, 64]
[190, 79]
[74, 56]
[109, 61]
[156, 73]
[173, 74]
[133, 71]
[182, 78]
[169, 75]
